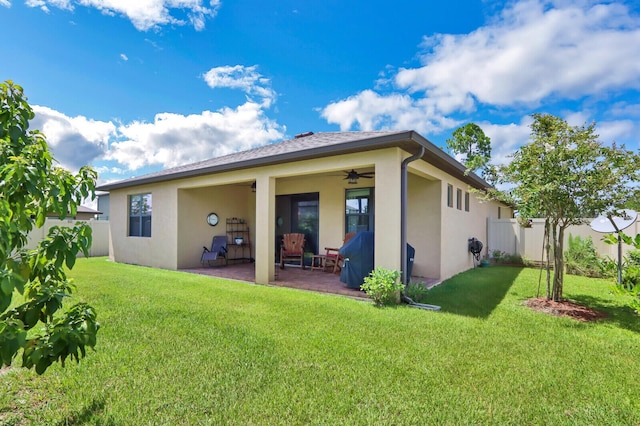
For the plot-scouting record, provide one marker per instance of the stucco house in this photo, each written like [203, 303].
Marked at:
[402, 187]
[82, 213]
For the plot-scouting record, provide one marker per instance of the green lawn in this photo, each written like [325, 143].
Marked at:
[176, 348]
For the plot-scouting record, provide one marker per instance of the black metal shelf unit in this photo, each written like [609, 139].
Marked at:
[239, 241]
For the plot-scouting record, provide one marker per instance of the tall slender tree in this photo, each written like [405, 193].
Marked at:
[472, 144]
[31, 187]
[565, 174]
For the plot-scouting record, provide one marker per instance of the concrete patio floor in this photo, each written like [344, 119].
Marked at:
[292, 277]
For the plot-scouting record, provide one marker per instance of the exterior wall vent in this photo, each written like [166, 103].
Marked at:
[303, 135]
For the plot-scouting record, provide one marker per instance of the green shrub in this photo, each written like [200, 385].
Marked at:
[527, 261]
[497, 256]
[383, 287]
[609, 268]
[632, 292]
[633, 257]
[514, 259]
[417, 291]
[501, 257]
[581, 258]
[631, 276]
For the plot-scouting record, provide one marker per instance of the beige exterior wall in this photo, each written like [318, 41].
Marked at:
[423, 225]
[161, 249]
[179, 229]
[227, 201]
[442, 245]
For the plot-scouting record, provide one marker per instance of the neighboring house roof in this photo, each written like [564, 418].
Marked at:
[309, 146]
[84, 209]
[81, 210]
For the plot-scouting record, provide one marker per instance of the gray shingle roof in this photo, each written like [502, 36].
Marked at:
[306, 147]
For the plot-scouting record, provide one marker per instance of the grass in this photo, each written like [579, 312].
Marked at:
[176, 348]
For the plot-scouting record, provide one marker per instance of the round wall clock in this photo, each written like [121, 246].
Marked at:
[212, 219]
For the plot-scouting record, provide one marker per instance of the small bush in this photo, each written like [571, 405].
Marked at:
[417, 291]
[497, 256]
[581, 258]
[633, 293]
[514, 259]
[631, 276]
[633, 257]
[501, 257]
[608, 268]
[383, 287]
[527, 261]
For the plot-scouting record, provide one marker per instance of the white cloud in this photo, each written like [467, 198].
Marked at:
[625, 109]
[529, 54]
[369, 110]
[505, 138]
[74, 141]
[5, 3]
[615, 131]
[124, 57]
[173, 139]
[144, 14]
[170, 140]
[112, 170]
[241, 77]
[533, 52]
[42, 4]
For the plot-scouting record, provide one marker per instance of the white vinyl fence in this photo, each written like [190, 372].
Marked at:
[507, 236]
[100, 235]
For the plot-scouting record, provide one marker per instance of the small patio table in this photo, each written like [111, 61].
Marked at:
[318, 262]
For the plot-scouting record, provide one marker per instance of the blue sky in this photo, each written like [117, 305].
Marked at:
[134, 87]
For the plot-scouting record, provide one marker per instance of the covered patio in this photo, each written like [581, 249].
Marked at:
[292, 277]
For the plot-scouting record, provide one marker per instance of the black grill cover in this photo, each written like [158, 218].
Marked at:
[358, 259]
[411, 254]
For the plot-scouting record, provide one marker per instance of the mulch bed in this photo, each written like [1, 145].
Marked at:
[565, 308]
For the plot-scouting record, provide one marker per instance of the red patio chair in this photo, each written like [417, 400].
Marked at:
[292, 249]
[333, 259]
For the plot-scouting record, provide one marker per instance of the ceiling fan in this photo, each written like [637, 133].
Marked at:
[352, 176]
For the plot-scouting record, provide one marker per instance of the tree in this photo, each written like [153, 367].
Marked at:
[32, 186]
[470, 141]
[565, 175]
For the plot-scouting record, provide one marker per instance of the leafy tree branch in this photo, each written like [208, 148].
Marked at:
[32, 186]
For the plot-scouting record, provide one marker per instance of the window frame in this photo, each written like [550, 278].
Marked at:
[370, 209]
[467, 201]
[458, 198]
[141, 220]
[449, 195]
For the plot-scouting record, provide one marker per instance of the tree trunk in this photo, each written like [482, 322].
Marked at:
[558, 265]
[547, 242]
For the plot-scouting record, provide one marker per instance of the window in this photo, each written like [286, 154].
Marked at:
[466, 201]
[449, 195]
[499, 212]
[459, 199]
[140, 215]
[359, 210]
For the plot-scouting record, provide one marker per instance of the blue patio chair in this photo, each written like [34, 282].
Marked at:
[218, 251]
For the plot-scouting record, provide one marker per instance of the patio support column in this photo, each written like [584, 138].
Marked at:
[265, 228]
[387, 211]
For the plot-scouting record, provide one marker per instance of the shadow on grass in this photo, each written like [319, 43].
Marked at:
[620, 316]
[474, 293]
[85, 415]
